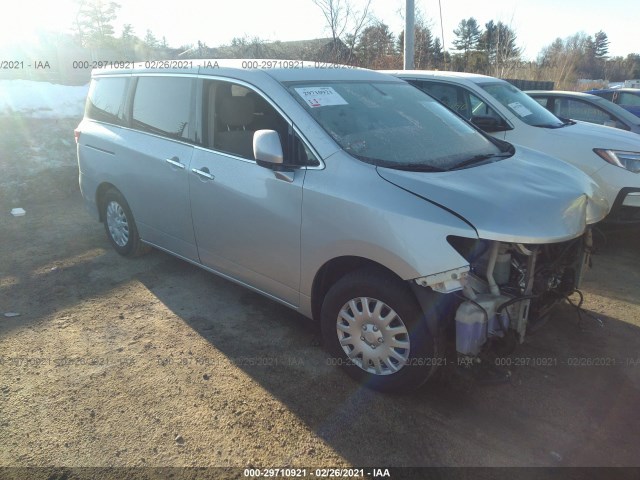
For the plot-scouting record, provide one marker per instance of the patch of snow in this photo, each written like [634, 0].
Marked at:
[42, 99]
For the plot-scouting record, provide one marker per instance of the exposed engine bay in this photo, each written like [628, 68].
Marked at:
[510, 288]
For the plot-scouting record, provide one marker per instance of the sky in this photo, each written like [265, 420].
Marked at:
[536, 22]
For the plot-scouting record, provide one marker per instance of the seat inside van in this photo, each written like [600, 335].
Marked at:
[235, 131]
[237, 114]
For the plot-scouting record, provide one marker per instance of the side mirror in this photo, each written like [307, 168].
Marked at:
[267, 149]
[488, 123]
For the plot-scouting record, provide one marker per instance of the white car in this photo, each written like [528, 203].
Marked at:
[610, 156]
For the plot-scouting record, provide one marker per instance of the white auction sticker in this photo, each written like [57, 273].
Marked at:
[520, 109]
[320, 96]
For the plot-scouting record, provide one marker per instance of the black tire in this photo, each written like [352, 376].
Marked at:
[124, 236]
[419, 361]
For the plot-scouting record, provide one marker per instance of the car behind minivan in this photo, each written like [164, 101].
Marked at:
[627, 98]
[586, 108]
[345, 194]
[610, 156]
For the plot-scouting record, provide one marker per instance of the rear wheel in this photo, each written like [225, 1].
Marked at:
[374, 327]
[120, 226]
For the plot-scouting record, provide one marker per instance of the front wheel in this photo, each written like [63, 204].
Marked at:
[373, 326]
[120, 226]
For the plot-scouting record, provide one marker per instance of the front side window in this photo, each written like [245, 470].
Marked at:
[163, 105]
[106, 99]
[607, 95]
[522, 105]
[392, 124]
[480, 108]
[450, 95]
[233, 113]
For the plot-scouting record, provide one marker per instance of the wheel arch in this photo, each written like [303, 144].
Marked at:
[437, 307]
[335, 269]
[101, 191]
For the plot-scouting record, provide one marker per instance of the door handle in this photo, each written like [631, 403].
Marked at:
[203, 172]
[175, 161]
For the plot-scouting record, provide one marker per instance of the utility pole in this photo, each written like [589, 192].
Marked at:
[409, 35]
[444, 49]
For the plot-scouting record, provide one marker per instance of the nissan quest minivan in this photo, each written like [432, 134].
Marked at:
[345, 194]
[610, 156]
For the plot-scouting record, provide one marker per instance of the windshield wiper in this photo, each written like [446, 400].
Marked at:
[478, 159]
[554, 125]
[414, 167]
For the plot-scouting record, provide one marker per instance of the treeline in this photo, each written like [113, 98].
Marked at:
[356, 38]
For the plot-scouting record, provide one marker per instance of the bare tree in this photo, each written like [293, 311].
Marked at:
[562, 60]
[346, 23]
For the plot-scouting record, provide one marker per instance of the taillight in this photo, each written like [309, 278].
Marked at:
[76, 134]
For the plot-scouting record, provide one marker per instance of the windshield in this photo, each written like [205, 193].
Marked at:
[392, 124]
[522, 105]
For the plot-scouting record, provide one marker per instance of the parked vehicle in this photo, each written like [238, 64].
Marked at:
[345, 194]
[610, 156]
[627, 98]
[586, 108]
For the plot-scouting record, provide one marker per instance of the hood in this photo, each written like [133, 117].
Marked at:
[600, 136]
[528, 198]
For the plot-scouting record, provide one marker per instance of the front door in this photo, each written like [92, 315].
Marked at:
[246, 217]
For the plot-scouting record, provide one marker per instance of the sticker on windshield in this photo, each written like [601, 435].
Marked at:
[520, 109]
[320, 96]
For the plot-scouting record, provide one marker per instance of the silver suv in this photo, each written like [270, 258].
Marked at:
[345, 194]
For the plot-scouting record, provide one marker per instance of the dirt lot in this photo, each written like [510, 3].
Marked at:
[154, 362]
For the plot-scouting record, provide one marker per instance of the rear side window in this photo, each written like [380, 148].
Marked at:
[106, 99]
[627, 98]
[163, 105]
[579, 110]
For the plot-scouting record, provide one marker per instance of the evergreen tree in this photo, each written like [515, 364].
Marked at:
[423, 46]
[127, 41]
[498, 42]
[468, 35]
[93, 23]
[601, 44]
[438, 54]
[374, 45]
[467, 40]
[150, 39]
[127, 32]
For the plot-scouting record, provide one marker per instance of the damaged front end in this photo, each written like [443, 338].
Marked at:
[508, 288]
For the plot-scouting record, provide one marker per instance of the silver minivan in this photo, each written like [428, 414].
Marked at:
[345, 194]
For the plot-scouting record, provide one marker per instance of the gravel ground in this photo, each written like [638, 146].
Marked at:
[154, 362]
